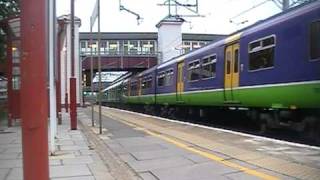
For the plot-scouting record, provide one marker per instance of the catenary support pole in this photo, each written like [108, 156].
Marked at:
[52, 88]
[34, 93]
[99, 67]
[73, 80]
[91, 75]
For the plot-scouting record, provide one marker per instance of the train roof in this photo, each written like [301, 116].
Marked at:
[118, 81]
[279, 18]
[192, 53]
[112, 86]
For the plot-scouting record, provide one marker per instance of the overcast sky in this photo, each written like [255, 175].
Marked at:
[217, 15]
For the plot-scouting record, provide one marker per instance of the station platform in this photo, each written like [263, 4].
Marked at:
[74, 158]
[158, 148]
[137, 146]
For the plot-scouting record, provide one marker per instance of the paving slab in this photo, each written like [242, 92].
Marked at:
[143, 148]
[135, 141]
[147, 176]
[4, 173]
[196, 158]
[78, 160]
[12, 163]
[148, 165]
[15, 174]
[158, 154]
[87, 152]
[280, 176]
[241, 176]
[76, 178]
[73, 147]
[55, 162]
[65, 142]
[69, 171]
[13, 150]
[207, 170]
[8, 156]
[127, 158]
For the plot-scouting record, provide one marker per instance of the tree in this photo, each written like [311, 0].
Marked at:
[8, 8]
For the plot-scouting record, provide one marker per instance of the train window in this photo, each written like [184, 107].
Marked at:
[194, 71]
[144, 84]
[228, 62]
[161, 79]
[209, 67]
[236, 61]
[147, 82]
[315, 40]
[255, 45]
[134, 89]
[268, 42]
[125, 90]
[262, 56]
[168, 77]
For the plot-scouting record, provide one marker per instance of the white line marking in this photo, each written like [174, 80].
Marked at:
[224, 130]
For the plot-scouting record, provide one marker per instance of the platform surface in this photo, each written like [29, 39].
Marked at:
[168, 150]
[73, 159]
[165, 150]
[136, 146]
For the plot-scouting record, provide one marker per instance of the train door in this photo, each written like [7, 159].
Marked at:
[231, 76]
[129, 88]
[139, 86]
[180, 83]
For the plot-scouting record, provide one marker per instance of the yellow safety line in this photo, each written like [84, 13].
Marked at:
[206, 154]
[214, 157]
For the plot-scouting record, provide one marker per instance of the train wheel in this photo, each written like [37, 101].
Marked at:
[263, 122]
[312, 128]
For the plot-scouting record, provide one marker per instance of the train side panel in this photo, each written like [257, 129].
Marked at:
[293, 79]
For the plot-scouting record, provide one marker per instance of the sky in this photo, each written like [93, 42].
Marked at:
[216, 20]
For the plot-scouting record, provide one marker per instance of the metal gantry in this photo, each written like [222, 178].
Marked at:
[191, 7]
[122, 8]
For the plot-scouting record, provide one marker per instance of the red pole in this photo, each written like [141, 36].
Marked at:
[66, 103]
[34, 93]
[58, 81]
[73, 104]
[73, 81]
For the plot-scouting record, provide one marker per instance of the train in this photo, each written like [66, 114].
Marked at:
[269, 70]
